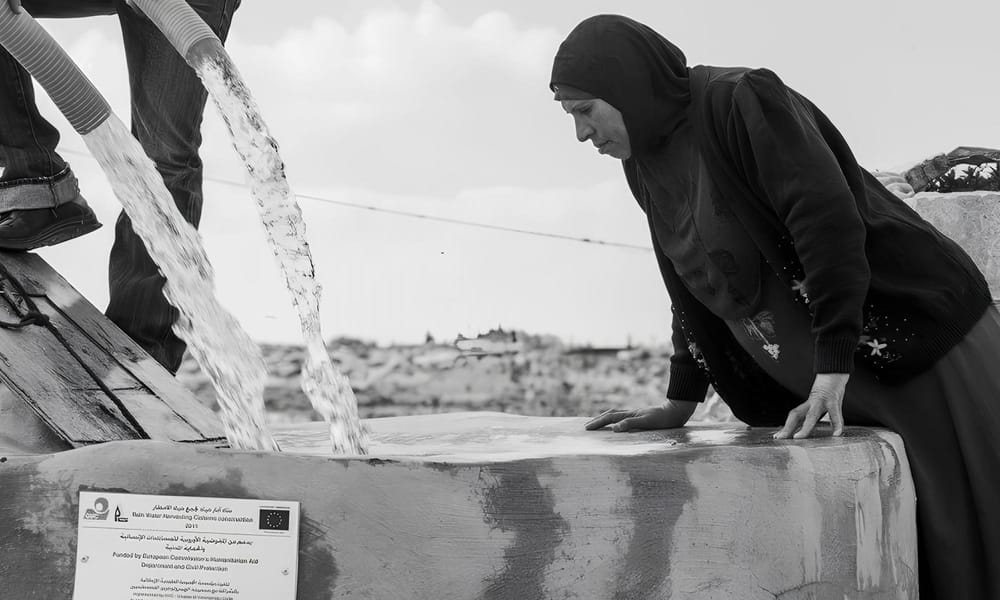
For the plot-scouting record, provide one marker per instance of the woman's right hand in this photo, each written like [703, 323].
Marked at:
[673, 413]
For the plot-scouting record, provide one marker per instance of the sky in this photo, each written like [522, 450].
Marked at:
[442, 108]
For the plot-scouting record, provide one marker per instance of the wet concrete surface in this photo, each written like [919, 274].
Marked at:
[487, 505]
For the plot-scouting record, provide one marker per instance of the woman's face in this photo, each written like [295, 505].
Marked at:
[602, 124]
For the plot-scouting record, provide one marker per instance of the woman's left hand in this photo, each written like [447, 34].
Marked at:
[826, 397]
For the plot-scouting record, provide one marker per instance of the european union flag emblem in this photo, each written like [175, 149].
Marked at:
[274, 519]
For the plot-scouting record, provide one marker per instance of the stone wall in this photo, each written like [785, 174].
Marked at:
[970, 218]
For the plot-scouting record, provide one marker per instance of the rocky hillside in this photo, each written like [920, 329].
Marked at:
[500, 371]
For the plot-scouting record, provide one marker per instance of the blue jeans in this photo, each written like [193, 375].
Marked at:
[168, 101]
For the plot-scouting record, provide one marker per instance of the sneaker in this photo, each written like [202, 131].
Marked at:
[34, 228]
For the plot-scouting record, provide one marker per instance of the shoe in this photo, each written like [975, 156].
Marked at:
[27, 229]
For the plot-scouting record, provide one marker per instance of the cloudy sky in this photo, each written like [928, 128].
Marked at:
[442, 108]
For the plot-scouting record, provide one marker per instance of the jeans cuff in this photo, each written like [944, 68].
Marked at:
[39, 192]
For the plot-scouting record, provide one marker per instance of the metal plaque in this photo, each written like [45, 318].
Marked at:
[143, 547]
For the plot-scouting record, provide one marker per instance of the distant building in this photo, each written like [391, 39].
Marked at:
[496, 342]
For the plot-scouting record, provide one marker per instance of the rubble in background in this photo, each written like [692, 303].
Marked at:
[923, 173]
[542, 377]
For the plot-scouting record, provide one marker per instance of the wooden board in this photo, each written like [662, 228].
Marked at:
[110, 390]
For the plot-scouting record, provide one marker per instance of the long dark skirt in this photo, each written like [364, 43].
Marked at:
[949, 419]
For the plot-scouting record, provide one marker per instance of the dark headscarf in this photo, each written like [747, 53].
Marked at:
[645, 77]
[631, 67]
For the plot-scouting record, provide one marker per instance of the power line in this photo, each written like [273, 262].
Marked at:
[426, 217]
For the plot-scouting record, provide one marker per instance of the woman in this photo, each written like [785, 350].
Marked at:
[800, 286]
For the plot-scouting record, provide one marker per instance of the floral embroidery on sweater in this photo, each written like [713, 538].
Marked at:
[799, 285]
[761, 328]
[698, 356]
[877, 341]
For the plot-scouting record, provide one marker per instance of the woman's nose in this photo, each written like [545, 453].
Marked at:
[583, 130]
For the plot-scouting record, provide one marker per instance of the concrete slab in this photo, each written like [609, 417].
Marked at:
[486, 505]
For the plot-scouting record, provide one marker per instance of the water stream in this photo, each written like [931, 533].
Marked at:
[328, 390]
[230, 358]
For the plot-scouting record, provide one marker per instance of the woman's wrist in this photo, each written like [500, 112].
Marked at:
[680, 410]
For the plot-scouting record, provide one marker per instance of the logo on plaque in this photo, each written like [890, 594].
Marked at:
[118, 515]
[274, 519]
[99, 512]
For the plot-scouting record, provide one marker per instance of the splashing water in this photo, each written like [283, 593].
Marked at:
[327, 389]
[230, 358]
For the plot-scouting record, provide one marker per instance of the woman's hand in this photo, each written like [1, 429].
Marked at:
[826, 397]
[15, 6]
[673, 413]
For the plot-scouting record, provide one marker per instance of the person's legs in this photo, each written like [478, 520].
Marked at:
[40, 202]
[168, 101]
[66, 9]
[27, 141]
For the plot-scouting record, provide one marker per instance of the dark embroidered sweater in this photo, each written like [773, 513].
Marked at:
[872, 268]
